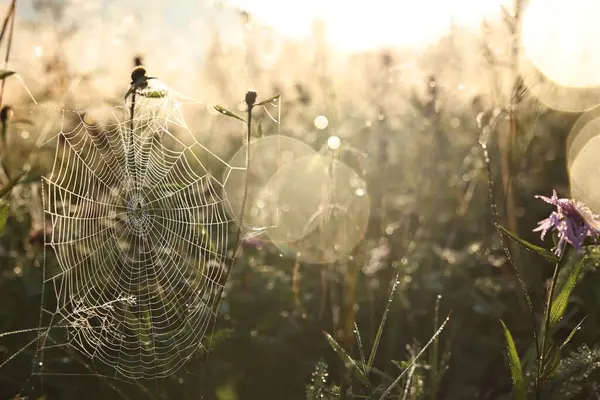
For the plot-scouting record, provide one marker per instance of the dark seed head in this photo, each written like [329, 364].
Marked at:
[138, 73]
[6, 114]
[251, 98]
[387, 59]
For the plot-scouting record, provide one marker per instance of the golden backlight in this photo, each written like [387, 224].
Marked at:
[560, 37]
[360, 25]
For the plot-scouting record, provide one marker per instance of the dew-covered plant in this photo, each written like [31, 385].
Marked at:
[367, 381]
[573, 225]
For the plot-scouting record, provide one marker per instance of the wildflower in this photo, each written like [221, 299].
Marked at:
[573, 220]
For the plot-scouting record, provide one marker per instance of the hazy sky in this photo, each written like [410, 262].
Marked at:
[357, 25]
[351, 25]
[173, 38]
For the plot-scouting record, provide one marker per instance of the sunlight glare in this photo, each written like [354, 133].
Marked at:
[334, 142]
[559, 38]
[361, 25]
[583, 144]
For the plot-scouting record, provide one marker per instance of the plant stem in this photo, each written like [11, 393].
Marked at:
[10, 16]
[4, 150]
[130, 154]
[250, 105]
[546, 328]
[496, 223]
[434, 355]
[250, 101]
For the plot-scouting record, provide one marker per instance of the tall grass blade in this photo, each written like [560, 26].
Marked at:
[348, 361]
[515, 365]
[434, 374]
[414, 360]
[360, 347]
[382, 324]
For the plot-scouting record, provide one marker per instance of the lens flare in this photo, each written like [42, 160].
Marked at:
[335, 229]
[321, 122]
[268, 155]
[583, 147]
[334, 142]
[561, 59]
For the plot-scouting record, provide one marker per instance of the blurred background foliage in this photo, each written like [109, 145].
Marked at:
[413, 120]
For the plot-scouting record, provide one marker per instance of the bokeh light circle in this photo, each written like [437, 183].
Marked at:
[321, 122]
[334, 142]
[560, 38]
[293, 197]
[341, 220]
[312, 207]
[583, 148]
[268, 155]
[561, 60]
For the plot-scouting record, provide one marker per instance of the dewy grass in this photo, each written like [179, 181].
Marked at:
[364, 370]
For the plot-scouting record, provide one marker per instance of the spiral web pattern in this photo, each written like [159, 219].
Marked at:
[142, 237]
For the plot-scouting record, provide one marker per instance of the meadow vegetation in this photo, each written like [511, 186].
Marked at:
[430, 304]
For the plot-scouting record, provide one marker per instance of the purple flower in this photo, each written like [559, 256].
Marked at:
[573, 220]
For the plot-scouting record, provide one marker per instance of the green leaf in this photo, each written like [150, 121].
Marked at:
[269, 100]
[8, 187]
[228, 113]
[547, 254]
[559, 305]
[348, 361]
[5, 73]
[573, 332]
[4, 207]
[515, 365]
[382, 324]
[552, 362]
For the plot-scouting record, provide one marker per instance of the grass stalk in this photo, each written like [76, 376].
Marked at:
[10, 18]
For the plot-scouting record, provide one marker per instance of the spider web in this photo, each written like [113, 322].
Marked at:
[142, 237]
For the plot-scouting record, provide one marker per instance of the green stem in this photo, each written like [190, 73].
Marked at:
[546, 329]
[434, 355]
[496, 223]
